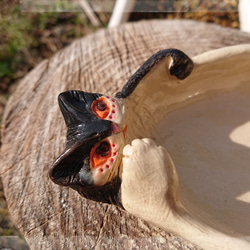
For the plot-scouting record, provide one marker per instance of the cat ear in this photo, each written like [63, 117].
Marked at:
[66, 168]
[75, 106]
[159, 68]
[65, 171]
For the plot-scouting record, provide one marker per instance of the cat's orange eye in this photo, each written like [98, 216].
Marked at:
[100, 154]
[101, 108]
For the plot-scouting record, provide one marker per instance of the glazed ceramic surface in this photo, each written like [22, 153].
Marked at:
[172, 148]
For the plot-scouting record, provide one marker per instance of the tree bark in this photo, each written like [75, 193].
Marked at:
[54, 217]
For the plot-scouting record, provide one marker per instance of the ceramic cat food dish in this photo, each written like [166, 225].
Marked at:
[172, 147]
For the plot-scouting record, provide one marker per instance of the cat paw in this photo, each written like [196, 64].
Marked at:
[145, 179]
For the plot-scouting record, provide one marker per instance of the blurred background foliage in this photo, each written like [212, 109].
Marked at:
[28, 37]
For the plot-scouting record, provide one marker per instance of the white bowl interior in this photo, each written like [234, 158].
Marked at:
[208, 138]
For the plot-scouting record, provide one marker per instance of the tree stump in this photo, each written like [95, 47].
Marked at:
[54, 217]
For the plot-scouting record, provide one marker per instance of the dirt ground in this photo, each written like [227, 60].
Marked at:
[26, 38]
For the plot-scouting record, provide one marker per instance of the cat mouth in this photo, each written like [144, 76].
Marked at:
[116, 129]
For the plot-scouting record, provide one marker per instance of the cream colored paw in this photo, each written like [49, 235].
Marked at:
[145, 179]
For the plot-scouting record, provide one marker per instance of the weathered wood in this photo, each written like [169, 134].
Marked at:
[53, 217]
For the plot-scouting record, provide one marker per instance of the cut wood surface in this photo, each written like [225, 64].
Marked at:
[54, 217]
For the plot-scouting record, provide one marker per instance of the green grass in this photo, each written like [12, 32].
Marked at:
[15, 36]
[22, 32]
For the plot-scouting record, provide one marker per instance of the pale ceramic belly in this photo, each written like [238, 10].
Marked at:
[209, 142]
